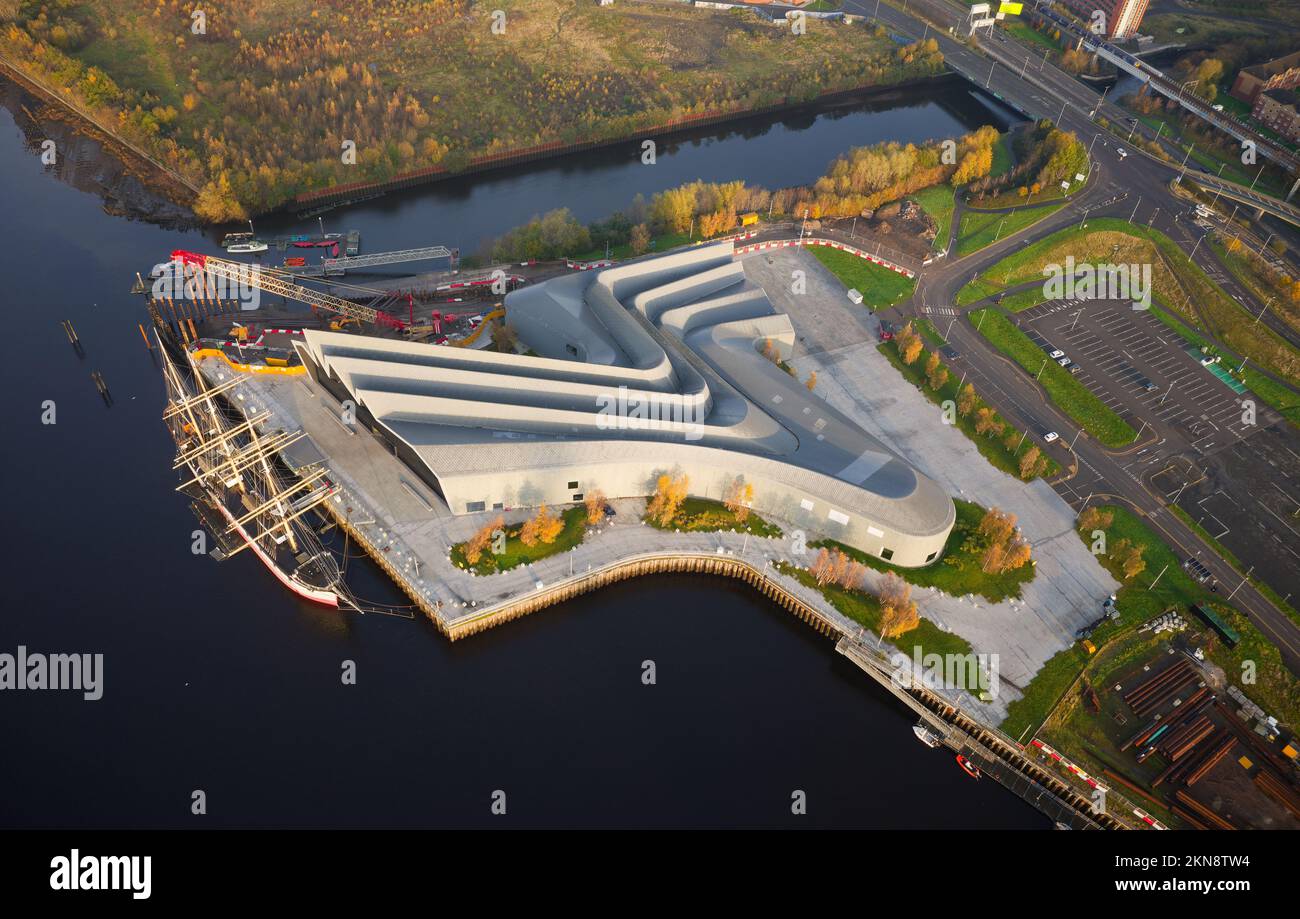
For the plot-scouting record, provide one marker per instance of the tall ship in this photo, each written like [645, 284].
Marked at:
[229, 471]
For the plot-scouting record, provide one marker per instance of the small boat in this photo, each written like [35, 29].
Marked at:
[926, 736]
[231, 239]
[968, 767]
[255, 245]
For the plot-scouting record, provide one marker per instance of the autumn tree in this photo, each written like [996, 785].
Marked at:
[639, 239]
[811, 382]
[1133, 564]
[853, 575]
[1029, 462]
[477, 544]
[538, 527]
[217, 203]
[1005, 549]
[986, 421]
[909, 344]
[595, 504]
[935, 373]
[738, 497]
[1094, 518]
[966, 400]
[822, 567]
[898, 612]
[504, 338]
[670, 492]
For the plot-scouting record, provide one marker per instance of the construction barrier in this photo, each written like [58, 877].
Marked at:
[845, 247]
[248, 368]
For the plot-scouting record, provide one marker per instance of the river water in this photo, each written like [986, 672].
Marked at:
[215, 679]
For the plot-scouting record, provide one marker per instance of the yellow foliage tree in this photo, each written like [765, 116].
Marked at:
[898, 612]
[670, 492]
[595, 504]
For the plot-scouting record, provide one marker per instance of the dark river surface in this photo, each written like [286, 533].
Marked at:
[215, 679]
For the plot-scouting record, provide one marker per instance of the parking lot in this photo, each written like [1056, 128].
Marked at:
[1144, 372]
[1240, 482]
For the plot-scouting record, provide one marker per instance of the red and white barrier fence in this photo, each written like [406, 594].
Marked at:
[588, 266]
[845, 247]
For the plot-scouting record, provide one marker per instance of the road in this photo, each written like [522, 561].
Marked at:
[1027, 82]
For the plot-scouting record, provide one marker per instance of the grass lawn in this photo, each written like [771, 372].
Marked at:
[864, 609]
[1026, 33]
[517, 553]
[979, 229]
[930, 332]
[975, 290]
[1071, 396]
[1276, 689]
[661, 243]
[992, 447]
[880, 287]
[1003, 159]
[938, 201]
[957, 570]
[1023, 300]
[707, 515]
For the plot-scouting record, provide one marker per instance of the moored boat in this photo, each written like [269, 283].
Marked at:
[926, 736]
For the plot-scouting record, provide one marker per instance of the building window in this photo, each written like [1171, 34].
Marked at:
[886, 554]
[572, 486]
[475, 506]
[577, 496]
[499, 506]
[930, 557]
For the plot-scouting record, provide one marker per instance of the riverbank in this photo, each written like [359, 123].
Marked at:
[132, 183]
[682, 129]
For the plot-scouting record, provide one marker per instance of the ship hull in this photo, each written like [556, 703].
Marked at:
[306, 591]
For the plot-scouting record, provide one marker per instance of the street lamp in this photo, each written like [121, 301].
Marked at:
[1257, 175]
[1183, 171]
[1218, 190]
[1096, 108]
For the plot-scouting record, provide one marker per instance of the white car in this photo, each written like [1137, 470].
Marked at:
[1054, 355]
[1051, 436]
[1063, 361]
[1121, 151]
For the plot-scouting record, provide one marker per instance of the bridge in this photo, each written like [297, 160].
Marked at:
[1130, 64]
[1262, 203]
[333, 267]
